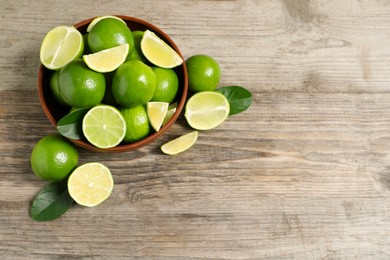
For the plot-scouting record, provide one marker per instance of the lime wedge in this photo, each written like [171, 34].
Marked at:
[107, 60]
[171, 111]
[90, 184]
[104, 126]
[180, 144]
[156, 113]
[99, 18]
[206, 110]
[159, 52]
[60, 46]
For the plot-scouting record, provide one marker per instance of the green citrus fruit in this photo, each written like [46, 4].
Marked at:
[204, 73]
[167, 85]
[53, 158]
[137, 52]
[137, 123]
[104, 126]
[54, 86]
[108, 33]
[80, 86]
[60, 46]
[133, 84]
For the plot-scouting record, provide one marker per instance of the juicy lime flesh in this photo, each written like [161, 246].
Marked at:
[90, 184]
[107, 60]
[104, 126]
[204, 73]
[206, 110]
[180, 144]
[137, 123]
[133, 84]
[159, 52]
[156, 113]
[80, 86]
[53, 158]
[60, 46]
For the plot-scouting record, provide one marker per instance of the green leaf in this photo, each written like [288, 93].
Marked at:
[51, 202]
[70, 125]
[239, 98]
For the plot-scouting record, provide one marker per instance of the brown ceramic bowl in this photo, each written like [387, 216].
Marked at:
[55, 112]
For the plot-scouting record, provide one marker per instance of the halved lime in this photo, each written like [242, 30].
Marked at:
[104, 126]
[90, 184]
[99, 18]
[159, 52]
[206, 110]
[107, 60]
[180, 144]
[156, 113]
[60, 46]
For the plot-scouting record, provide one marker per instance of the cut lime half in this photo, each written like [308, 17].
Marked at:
[90, 184]
[206, 110]
[104, 126]
[60, 46]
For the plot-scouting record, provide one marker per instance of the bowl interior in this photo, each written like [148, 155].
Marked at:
[54, 111]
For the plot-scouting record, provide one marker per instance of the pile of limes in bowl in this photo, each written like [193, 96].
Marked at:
[125, 77]
[124, 85]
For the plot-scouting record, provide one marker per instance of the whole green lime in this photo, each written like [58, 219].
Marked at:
[53, 158]
[54, 86]
[108, 33]
[204, 73]
[137, 52]
[167, 85]
[137, 123]
[133, 84]
[80, 86]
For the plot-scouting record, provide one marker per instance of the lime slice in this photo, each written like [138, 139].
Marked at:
[90, 184]
[156, 113]
[60, 46]
[99, 18]
[180, 144]
[107, 60]
[171, 111]
[206, 110]
[158, 52]
[104, 126]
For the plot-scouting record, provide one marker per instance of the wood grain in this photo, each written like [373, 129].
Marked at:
[303, 174]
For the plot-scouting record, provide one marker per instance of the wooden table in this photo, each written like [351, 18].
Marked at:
[304, 173]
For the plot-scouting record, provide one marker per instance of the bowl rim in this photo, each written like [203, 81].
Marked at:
[150, 138]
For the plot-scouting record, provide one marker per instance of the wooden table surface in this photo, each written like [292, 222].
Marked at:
[303, 174]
